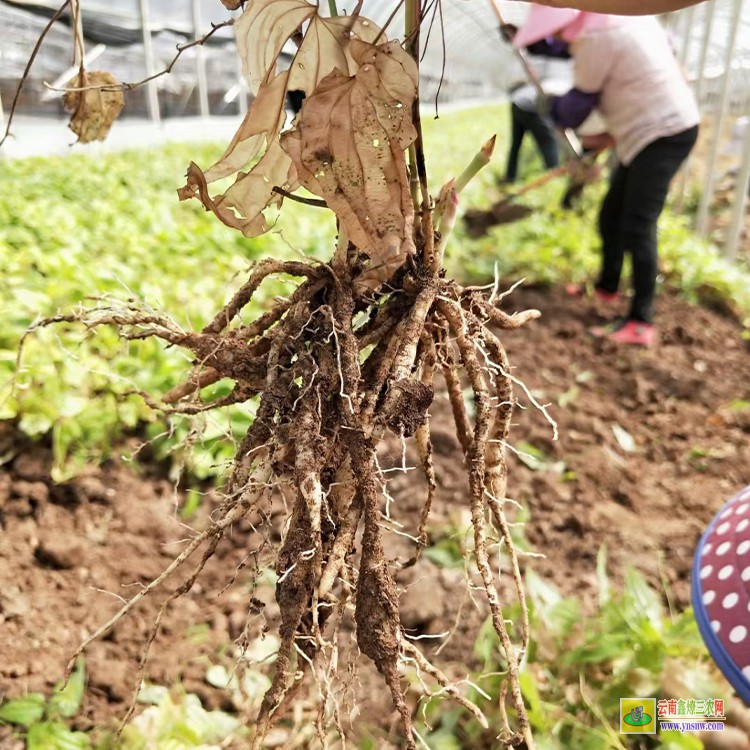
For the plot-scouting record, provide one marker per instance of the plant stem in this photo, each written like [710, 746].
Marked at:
[481, 159]
[332, 8]
[416, 157]
[413, 178]
[27, 69]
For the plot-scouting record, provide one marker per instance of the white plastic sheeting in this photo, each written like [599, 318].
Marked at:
[462, 48]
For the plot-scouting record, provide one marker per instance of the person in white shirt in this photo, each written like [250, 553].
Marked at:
[626, 69]
[555, 75]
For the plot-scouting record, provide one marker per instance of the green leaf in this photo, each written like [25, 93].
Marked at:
[23, 711]
[192, 503]
[486, 644]
[152, 694]
[565, 399]
[443, 739]
[54, 735]
[564, 616]
[217, 676]
[531, 456]
[646, 601]
[445, 554]
[66, 699]
[530, 692]
[255, 684]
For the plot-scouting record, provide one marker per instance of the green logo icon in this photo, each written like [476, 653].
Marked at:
[637, 716]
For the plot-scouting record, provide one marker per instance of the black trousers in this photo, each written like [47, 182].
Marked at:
[541, 128]
[629, 214]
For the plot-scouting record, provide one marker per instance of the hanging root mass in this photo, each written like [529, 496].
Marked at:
[334, 372]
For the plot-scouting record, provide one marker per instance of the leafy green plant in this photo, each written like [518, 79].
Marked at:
[43, 722]
[180, 723]
[578, 666]
[553, 246]
[111, 227]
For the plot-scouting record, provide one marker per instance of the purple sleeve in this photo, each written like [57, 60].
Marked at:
[571, 109]
[550, 47]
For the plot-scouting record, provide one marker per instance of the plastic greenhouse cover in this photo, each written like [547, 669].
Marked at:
[119, 22]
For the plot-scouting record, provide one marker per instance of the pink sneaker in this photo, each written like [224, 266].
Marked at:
[632, 332]
[581, 290]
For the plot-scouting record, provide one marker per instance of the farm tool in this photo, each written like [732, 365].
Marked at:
[580, 169]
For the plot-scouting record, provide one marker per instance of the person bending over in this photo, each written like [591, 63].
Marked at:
[626, 69]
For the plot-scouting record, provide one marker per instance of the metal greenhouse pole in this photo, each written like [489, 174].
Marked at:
[721, 108]
[708, 23]
[200, 61]
[687, 38]
[740, 200]
[148, 53]
[687, 34]
[700, 77]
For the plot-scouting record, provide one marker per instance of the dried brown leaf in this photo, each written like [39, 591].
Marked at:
[348, 148]
[261, 32]
[95, 109]
[266, 26]
[231, 4]
[324, 48]
[241, 206]
[263, 122]
[327, 47]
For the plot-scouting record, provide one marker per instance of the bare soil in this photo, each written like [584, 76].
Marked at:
[68, 552]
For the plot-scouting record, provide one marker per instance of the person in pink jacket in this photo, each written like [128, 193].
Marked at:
[625, 68]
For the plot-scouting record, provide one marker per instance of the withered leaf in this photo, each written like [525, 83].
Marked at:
[266, 25]
[231, 4]
[348, 148]
[264, 120]
[241, 206]
[95, 109]
[327, 47]
[261, 32]
[324, 48]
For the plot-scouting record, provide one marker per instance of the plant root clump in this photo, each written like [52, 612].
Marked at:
[350, 355]
[334, 371]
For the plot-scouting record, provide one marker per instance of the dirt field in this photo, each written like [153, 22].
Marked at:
[650, 446]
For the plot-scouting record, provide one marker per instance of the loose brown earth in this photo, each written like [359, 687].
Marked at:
[68, 552]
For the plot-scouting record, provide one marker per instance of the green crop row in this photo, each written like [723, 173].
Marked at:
[78, 228]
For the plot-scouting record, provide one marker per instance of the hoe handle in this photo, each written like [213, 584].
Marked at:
[567, 136]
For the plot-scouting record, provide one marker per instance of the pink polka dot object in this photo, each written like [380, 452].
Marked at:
[721, 591]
